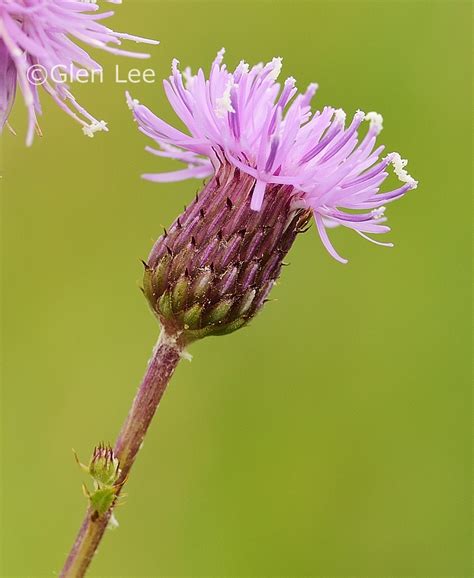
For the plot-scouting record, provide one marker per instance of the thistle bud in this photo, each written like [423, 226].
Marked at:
[104, 466]
[104, 469]
[212, 271]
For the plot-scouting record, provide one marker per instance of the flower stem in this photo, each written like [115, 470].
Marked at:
[161, 366]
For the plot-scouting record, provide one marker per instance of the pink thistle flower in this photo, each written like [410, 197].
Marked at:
[267, 131]
[37, 38]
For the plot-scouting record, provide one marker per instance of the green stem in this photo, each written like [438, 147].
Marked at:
[161, 366]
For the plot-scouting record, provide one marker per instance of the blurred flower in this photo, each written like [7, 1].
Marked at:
[245, 120]
[37, 38]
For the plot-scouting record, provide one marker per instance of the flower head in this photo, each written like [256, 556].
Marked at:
[267, 131]
[38, 43]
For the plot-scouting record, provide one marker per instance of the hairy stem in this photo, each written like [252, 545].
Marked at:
[161, 366]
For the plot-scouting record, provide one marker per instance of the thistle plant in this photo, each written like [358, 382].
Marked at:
[271, 166]
[38, 45]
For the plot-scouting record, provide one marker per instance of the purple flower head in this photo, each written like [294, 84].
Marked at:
[267, 131]
[38, 40]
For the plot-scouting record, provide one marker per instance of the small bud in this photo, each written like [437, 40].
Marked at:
[105, 471]
[104, 466]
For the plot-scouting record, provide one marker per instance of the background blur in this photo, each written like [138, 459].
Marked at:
[331, 437]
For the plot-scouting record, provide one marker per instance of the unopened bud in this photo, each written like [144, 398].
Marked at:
[104, 466]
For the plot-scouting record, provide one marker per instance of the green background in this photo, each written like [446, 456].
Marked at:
[332, 436]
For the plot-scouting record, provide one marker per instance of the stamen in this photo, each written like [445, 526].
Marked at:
[378, 213]
[399, 165]
[132, 103]
[224, 104]
[339, 117]
[277, 65]
[94, 127]
[376, 121]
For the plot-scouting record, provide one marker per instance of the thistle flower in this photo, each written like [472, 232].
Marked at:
[37, 40]
[272, 165]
